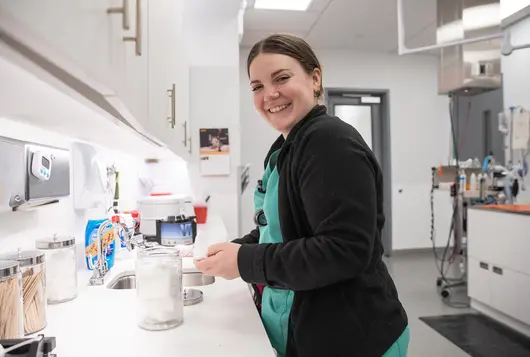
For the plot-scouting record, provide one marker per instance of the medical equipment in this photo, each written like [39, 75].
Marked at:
[494, 184]
[259, 218]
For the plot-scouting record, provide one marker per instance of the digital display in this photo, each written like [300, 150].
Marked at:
[172, 234]
[45, 162]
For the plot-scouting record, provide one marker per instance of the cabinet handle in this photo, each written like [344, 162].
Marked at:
[185, 141]
[497, 270]
[484, 265]
[189, 142]
[171, 119]
[137, 39]
[124, 10]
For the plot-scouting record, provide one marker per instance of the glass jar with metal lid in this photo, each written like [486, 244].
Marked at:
[32, 266]
[11, 313]
[61, 268]
[159, 288]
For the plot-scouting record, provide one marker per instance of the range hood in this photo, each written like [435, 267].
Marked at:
[475, 67]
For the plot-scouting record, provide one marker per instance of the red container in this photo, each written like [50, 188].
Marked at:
[202, 214]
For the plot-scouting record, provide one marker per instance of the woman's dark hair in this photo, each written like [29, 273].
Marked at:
[289, 45]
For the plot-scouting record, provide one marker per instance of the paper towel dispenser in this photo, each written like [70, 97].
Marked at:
[32, 175]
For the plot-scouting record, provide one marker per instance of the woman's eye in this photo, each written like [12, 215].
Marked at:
[256, 88]
[282, 78]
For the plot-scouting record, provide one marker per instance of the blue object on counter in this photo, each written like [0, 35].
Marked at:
[91, 234]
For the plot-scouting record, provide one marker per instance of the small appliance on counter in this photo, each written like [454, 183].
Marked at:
[39, 346]
[176, 231]
[159, 207]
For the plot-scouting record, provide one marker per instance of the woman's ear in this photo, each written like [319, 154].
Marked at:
[317, 79]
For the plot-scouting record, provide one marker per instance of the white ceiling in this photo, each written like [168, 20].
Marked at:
[365, 25]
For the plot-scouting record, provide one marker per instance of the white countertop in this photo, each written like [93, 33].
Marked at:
[102, 322]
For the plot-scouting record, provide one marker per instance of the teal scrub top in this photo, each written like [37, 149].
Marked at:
[275, 303]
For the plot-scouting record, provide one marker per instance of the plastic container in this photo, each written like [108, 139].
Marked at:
[32, 266]
[91, 245]
[159, 288]
[11, 312]
[473, 182]
[61, 268]
[201, 212]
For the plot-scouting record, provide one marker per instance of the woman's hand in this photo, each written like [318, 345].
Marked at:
[221, 261]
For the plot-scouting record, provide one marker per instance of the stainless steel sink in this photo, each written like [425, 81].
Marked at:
[127, 280]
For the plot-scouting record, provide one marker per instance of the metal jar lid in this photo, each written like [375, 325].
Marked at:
[54, 242]
[8, 268]
[25, 257]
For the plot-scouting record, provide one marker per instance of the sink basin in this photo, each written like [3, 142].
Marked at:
[127, 280]
[123, 281]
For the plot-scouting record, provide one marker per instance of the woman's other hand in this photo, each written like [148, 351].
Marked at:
[221, 261]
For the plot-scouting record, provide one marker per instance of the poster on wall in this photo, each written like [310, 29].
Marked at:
[214, 152]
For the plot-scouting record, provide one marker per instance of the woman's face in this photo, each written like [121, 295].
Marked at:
[283, 92]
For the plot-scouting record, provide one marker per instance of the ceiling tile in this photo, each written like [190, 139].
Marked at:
[274, 20]
[369, 25]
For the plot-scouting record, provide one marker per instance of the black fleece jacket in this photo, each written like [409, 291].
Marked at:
[330, 203]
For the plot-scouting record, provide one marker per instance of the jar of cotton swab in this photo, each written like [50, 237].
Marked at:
[32, 267]
[11, 313]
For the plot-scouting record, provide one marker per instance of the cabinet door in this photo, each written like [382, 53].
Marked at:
[168, 83]
[134, 90]
[479, 280]
[510, 293]
[523, 297]
[79, 32]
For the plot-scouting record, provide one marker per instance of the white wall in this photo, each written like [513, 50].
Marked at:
[516, 76]
[213, 55]
[420, 130]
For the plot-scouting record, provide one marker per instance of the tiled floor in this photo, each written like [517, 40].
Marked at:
[415, 276]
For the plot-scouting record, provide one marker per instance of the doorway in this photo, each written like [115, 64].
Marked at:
[368, 112]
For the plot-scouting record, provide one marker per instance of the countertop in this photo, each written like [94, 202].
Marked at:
[102, 322]
[505, 208]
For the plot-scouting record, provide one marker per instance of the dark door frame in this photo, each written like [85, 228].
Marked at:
[380, 141]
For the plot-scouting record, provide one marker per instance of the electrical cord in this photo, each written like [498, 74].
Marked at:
[433, 228]
[441, 261]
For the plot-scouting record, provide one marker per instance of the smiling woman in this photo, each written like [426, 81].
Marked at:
[315, 259]
[286, 78]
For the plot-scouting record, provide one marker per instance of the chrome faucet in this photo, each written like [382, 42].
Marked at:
[101, 268]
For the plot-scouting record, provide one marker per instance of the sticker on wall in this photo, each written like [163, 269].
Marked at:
[214, 152]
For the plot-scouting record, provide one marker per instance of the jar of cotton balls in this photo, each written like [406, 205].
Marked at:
[159, 288]
[61, 268]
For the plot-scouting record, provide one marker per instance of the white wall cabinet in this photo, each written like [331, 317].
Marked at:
[80, 32]
[168, 93]
[131, 52]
